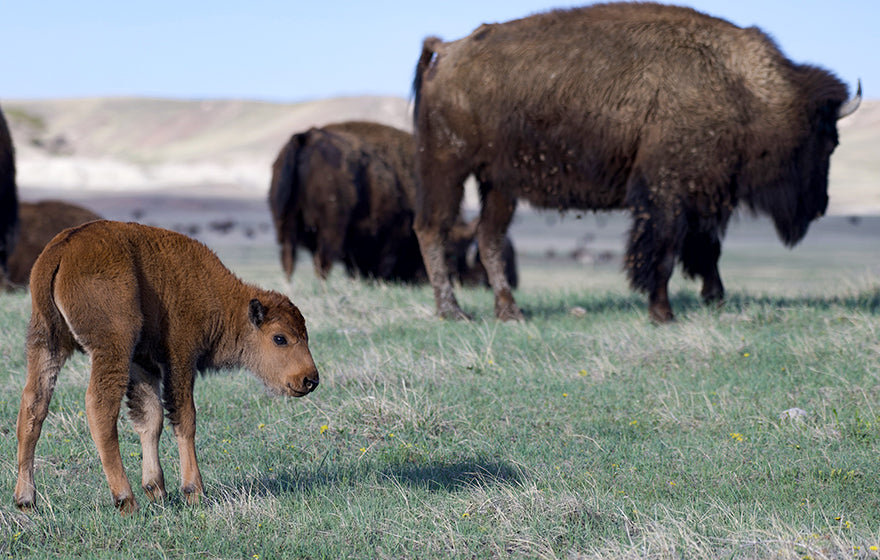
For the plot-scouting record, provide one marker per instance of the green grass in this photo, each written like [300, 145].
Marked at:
[567, 436]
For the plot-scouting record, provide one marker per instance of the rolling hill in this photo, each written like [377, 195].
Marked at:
[211, 146]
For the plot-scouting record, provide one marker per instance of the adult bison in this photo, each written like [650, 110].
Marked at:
[346, 192]
[39, 222]
[150, 307]
[8, 198]
[677, 116]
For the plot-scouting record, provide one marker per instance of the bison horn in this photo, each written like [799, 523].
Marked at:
[850, 106]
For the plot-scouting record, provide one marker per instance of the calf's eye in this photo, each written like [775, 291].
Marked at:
[279, 340]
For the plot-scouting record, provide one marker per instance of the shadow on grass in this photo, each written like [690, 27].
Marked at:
[433, 477]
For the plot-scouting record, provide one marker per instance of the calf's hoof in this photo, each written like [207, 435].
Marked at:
[155, 492]
[192, 495]
[24, 504]
[126, 505]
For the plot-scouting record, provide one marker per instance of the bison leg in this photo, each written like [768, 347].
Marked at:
[146, 414]
[107, 387]
[288, 257]
[699, 257]
[649, 261]
[42, 371]
[182, 414]
[437, 208]
[495, 217]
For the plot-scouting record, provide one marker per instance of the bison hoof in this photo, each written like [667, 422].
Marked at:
[453, 313]
[192, 495]
[510, 312]
[661, 314]
[24, 504]
[155, 493]
[127, 505]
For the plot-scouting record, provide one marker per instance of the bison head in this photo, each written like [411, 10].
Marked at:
[799, 194]
[279, 351]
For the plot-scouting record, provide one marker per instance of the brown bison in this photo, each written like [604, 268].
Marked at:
[346, 192]
[150, 307]
[677, 116]
[8, 198]
[39, 222]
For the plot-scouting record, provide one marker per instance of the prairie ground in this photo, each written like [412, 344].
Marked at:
[751, 431]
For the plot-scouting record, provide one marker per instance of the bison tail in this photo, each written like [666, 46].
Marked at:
[284, 191]
[47, 325]
[429, 50]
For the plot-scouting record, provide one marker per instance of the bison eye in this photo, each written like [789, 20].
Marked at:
[279, 340]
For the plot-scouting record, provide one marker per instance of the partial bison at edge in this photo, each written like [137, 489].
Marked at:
[150, 307]
[8, 199]
[674, 115]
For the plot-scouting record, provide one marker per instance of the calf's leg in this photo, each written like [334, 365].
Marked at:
[182, 414]
[107, 387]
[42, 371]
[146, 414]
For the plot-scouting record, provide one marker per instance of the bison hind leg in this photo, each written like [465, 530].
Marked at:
[146, 413]
[43, 364]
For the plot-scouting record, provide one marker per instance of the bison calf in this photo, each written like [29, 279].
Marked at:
[150, 307]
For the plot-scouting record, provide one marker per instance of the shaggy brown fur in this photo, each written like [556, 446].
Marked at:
[8, 198]
[151, 308]
[346, 193]
[674, 115]
[39, 222]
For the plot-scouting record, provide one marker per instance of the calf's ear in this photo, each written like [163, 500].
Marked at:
[256, 312]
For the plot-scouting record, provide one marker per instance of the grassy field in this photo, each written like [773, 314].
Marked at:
[585, 432]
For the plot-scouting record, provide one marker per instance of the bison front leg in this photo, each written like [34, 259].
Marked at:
[42, 371]
[699, 257]
[146, 414]
[495, 218]
[649, 262]
[107, 386]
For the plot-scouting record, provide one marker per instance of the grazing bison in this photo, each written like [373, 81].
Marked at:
[677, 116]
[39, 222]
[8, 198]
[150, 307]
[346, 192]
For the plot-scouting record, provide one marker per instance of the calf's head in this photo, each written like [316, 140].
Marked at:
[277, 346]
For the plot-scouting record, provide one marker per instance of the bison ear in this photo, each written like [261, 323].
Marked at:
[256, 312]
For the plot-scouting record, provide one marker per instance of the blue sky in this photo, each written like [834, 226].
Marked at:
[308, 49]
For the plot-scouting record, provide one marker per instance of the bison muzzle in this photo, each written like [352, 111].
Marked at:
[150, 307]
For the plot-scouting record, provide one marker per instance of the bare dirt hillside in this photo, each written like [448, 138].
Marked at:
[124, 144]
[227, 146]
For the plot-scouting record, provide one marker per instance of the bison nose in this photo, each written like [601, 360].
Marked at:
[311, 383]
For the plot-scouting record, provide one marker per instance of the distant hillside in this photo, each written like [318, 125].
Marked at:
[123, 144]
[164, 144]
